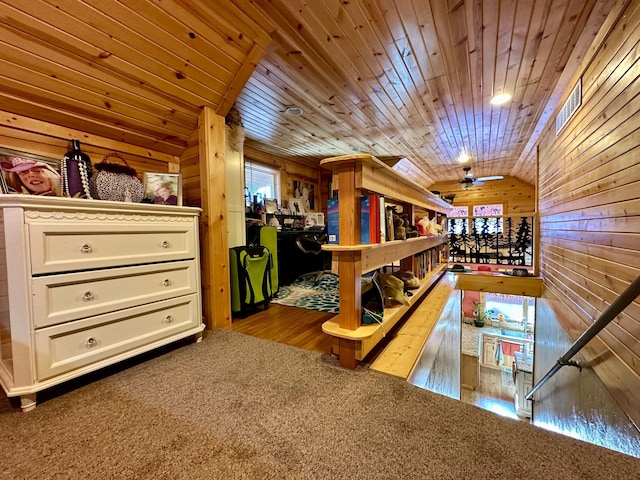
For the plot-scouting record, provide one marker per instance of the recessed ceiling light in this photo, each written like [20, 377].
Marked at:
[294, 111]
[463, 157]
[500, 99]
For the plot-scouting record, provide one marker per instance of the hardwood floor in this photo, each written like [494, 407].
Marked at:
[290, 325]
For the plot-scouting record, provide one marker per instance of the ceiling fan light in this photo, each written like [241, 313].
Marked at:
[500, 99]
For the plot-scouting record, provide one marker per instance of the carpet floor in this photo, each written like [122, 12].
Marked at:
[238, 407]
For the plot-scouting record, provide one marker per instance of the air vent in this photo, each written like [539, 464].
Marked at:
[569, 107]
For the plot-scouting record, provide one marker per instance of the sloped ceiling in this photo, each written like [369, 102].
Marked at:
[406, 80]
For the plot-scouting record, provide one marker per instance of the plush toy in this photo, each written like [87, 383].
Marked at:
[429, 226]
[399, 232]
[410, 230]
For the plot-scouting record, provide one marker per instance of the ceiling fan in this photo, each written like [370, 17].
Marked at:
[468, 181]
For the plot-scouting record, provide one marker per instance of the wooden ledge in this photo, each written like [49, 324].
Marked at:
[400, 356]
[495, 282]
[392, 315]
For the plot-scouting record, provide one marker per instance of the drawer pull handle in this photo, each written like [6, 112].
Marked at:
[87, 296]
[168, 319]
[165, 244]
[166, 282]
[91, 342]
[86, 248]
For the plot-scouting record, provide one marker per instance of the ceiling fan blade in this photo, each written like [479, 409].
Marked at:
[491, 177]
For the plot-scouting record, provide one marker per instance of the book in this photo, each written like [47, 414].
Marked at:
[332, 221]
[382, 220]
[389, 223]
[365, 219]
[374, 225]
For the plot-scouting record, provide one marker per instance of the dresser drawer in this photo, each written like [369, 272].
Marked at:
[65, 247]
[65, 297]
[73, 345]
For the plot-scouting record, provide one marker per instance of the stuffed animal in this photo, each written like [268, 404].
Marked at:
[410, 230]
[399, 232]
[429, 226]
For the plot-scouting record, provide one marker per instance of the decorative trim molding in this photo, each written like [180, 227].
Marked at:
[105, 216]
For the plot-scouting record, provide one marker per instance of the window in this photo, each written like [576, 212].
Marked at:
[487, 210]
[486, 225]
[261, 182]
[459, 212]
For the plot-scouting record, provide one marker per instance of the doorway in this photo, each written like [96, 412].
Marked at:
[497, 351]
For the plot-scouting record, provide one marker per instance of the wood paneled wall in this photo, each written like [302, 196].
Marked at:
[589, 203]
[292, 169]
[53, 141]
[518, 197]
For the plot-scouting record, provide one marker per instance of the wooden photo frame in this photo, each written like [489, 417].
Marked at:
[29, 174]
[163, 188]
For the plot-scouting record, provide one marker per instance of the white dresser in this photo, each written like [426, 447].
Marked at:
[87, 283]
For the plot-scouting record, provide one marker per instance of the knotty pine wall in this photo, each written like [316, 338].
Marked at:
[37, 137]
[517, 196]
[589, 205]
[307, 171]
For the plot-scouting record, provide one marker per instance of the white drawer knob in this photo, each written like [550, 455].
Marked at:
[91, 342]
[168, 319]
[87, 296]
[166, 282]
[165, 244]
[86, 248]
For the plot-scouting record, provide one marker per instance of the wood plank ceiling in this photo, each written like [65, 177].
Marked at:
[401, 79]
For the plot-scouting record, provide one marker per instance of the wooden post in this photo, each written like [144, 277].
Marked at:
[216, 291]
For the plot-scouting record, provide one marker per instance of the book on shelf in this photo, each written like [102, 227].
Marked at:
[382, 220]
[365, 219]
[332, 221]
[389, 223]
[369, 220]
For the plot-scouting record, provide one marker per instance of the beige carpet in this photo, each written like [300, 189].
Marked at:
[237, 407]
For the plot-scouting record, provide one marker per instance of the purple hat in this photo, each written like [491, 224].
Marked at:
[19, 164]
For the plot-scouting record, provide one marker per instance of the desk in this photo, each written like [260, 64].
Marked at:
[293, 262]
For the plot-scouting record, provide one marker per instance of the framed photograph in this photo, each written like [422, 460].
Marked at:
[295, 206]
[163, 188]
[29, 174]
[271, 205]
[306, 193]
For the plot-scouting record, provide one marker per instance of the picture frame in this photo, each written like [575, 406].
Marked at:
[271, 205]
[305, 191]
[30, 174]
[162, 188]
[295, 206]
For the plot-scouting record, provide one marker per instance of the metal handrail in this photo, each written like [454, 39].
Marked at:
[620, 303]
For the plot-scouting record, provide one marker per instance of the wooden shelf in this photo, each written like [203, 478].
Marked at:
[375, 176]
[370, 335]
[402, 354]
[363, 174]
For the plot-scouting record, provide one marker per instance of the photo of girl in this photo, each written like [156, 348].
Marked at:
[164, 195]
[163, 188]
[30, 176]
